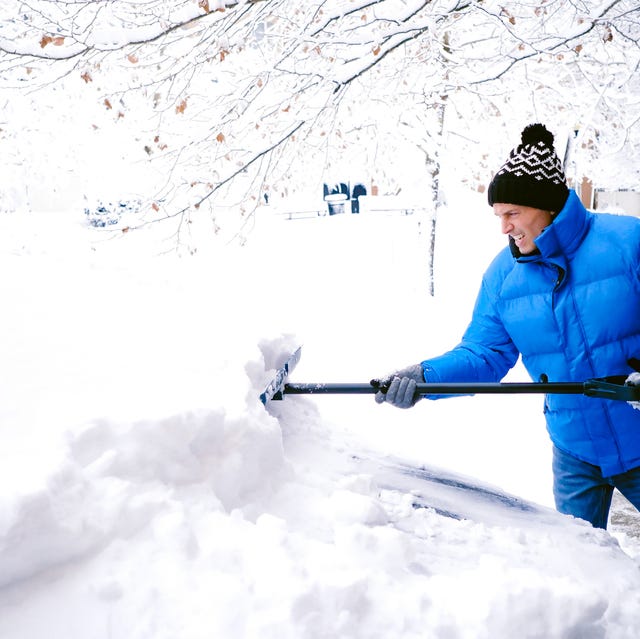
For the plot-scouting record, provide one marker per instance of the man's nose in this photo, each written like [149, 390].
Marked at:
[507, 227]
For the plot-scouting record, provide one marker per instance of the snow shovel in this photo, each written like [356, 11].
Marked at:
[612, 387]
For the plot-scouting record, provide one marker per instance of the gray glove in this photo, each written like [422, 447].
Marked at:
[401, 390]
[633, 380]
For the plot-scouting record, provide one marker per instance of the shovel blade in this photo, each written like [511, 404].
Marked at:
[275, 388]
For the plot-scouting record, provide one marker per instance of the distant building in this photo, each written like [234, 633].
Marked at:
[622, 201]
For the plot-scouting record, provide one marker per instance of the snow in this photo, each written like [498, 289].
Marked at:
[146, 493]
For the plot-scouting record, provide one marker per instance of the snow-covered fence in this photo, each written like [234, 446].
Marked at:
[292, 208]
[388, 204]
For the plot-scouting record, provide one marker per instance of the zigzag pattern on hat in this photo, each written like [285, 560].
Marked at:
[537, 161]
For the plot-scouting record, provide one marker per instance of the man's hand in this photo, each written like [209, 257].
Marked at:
[401, 387]
[633, 380]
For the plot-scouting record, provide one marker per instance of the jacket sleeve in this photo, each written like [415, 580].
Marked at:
[485, 354]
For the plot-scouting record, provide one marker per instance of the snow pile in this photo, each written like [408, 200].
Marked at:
[146, 493]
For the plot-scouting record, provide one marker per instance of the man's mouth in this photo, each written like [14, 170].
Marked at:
[517, 238]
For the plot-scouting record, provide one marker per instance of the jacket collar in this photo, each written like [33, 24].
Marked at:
[560, 240]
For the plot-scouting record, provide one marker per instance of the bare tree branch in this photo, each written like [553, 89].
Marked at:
[218, 86]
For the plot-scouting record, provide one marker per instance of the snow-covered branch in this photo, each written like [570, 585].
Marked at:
[213, 83]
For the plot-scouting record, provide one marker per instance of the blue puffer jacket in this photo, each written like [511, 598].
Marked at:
[573, 313]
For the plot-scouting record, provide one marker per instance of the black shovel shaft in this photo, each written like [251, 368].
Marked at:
[604, 388]
[457, 388]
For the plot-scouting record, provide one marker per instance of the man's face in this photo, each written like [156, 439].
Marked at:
[522, 223]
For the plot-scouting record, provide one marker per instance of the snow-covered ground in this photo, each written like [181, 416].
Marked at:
[146, 493]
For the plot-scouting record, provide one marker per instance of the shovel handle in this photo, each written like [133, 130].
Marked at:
[604, 388]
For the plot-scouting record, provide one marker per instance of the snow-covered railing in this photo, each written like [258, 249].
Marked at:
[388, 204]
[301, 208]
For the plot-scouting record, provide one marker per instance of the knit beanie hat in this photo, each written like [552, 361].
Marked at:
[532, 176]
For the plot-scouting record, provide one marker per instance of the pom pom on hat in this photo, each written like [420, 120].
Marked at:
[535, 133]
[532, 175]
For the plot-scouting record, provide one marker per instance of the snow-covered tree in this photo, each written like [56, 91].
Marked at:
[229, 100]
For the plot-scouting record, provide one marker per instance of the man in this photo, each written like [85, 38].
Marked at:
[565, 295]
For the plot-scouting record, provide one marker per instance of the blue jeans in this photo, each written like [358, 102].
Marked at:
[580, 489]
